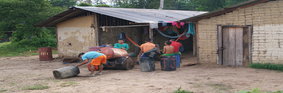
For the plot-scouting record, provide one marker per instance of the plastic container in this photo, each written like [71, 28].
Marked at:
[113, 52]
[146, 64]
[66, 72]
[45, 54]
[168, 63]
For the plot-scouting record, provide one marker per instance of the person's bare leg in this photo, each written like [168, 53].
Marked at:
[100, 69]
[92, 69]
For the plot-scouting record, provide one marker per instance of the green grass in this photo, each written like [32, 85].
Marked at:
[3, 90]
[36, 87]
[278, 67]
[8, 49]
[180, 90]
[258, 91]
[70, 83]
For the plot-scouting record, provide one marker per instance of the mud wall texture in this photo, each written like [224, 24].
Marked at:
[267, 36]
[75, 35]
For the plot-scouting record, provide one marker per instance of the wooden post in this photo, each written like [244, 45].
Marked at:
[150, 32]
[96, 29]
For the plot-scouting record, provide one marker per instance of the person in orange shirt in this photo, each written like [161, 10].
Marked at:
[148, 49]
[147, 46]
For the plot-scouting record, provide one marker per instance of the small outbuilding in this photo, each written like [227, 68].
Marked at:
[251, 32]
[80, 28]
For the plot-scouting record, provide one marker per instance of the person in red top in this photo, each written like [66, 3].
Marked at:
[177, 52]
[176, 45]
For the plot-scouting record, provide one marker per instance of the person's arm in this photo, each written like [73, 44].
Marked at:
[116, 45]
[84, 62]
[127, 47]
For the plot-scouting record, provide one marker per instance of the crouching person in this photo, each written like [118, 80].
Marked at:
[94, 61]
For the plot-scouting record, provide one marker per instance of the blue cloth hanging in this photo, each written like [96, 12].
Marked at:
[191, 29]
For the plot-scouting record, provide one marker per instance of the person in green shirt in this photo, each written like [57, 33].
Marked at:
[121, 45]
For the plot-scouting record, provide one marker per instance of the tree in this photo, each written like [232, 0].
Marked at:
[21, 15]
[63, 3]
[84, 4]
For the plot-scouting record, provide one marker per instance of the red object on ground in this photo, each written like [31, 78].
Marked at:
[45, 54]
[113, 52]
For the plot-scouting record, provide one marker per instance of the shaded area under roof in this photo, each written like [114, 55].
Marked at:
[225, 10]
[130, 14]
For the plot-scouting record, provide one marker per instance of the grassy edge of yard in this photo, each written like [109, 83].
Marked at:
[36, 87]
[7, 49]
[277, 67]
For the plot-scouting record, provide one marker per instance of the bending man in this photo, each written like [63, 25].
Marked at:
[95, 61]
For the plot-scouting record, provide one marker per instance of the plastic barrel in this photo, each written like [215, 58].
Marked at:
[168, 63]
[66, 72]
[45, 54]
[147, 64]
[178, 60]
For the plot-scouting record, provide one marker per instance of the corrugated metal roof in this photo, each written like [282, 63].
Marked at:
[143, 15]
[152, 16]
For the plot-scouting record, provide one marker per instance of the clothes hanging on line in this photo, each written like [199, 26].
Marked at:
[168, 36]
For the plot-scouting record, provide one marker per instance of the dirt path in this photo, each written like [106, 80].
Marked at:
[19, 72]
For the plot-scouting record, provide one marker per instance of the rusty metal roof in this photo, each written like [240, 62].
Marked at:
[130, 14]
[226, 10]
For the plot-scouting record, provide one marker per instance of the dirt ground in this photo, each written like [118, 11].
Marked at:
[19, 72]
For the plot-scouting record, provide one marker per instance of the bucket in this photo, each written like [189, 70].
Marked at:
[45, 54]
[66, 72]
[146, 64]
[168, 63]
[113, 52]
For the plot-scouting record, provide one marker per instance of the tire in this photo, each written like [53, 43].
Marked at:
[128, 64]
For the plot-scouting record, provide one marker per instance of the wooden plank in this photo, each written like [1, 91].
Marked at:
[232, 47]
[245, 46]
[96, 29]
[239, 46]
[219, 43]
[225, 44]
[250, 32]
[125, 26]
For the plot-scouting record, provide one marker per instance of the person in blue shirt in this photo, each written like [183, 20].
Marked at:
[121, 45]
[95, 61]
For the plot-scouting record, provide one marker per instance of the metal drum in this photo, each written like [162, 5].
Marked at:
[66, 72]
[147, 64]
[45, 54]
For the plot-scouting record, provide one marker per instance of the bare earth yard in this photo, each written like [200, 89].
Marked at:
[16, 73]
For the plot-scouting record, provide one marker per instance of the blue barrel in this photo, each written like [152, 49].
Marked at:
[178, 60]
[168, 63]
[146, 64]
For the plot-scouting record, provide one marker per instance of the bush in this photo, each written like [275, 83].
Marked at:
[102, 5]
[270, 66]
[84, 4]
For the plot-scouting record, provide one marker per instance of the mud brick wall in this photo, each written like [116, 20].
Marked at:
[267, 38]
